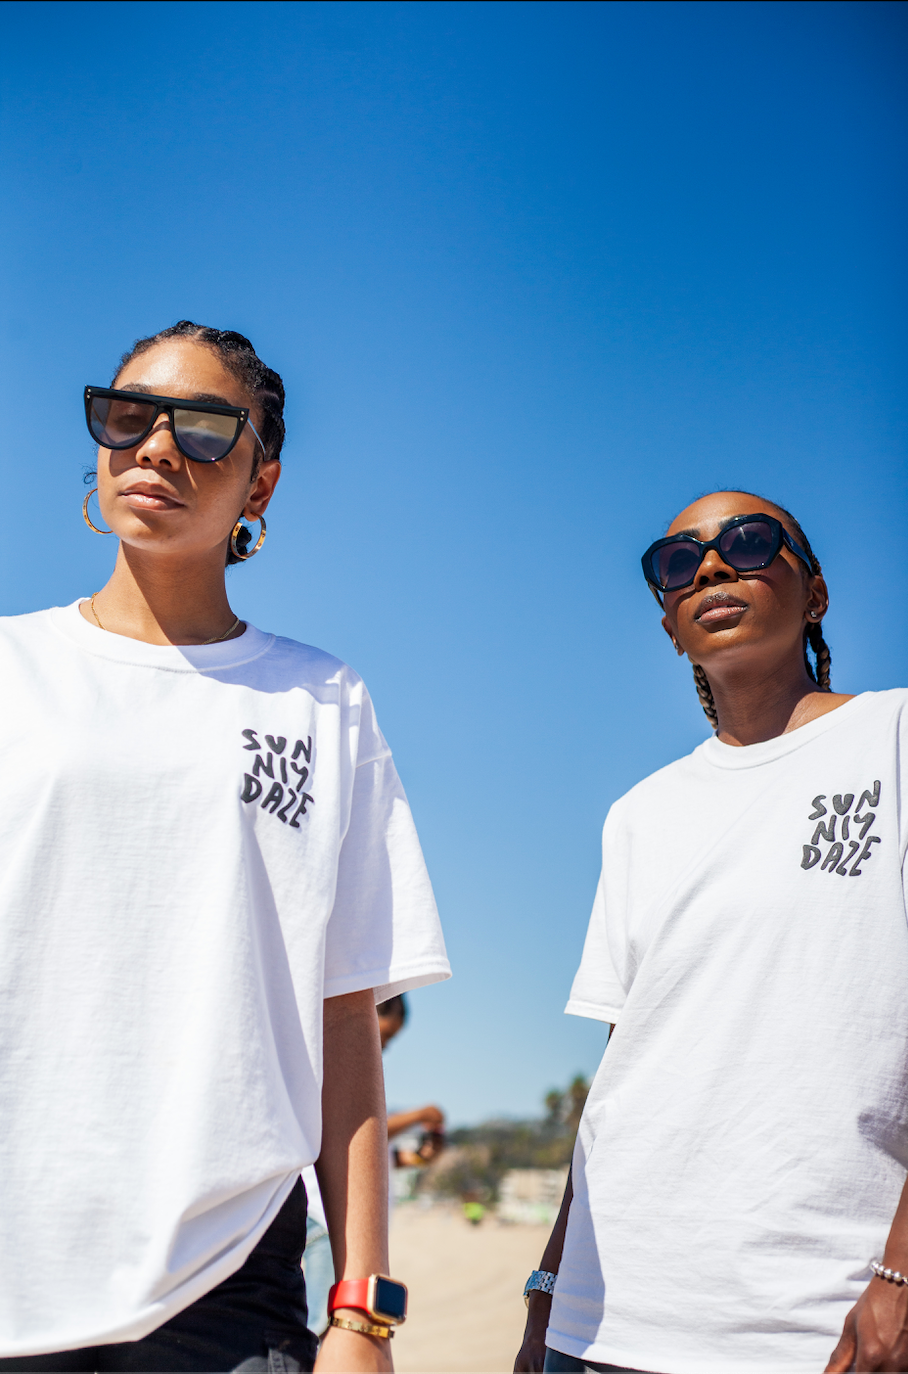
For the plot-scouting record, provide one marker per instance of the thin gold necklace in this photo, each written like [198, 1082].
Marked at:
[214, 639]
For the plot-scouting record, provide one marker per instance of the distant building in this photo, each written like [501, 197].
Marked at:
[531, 1197]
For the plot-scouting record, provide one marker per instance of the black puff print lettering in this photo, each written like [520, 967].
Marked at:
[284, 797]
[846, 854]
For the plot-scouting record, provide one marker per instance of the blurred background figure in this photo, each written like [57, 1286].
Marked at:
[473, 1209]
[392, 1017]
[318, 1263]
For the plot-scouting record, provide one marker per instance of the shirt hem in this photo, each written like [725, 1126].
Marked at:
[387, 982]
[595, 1012]
[154, 1314]
[696, 1364]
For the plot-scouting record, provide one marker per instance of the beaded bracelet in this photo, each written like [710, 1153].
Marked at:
[890, 1275]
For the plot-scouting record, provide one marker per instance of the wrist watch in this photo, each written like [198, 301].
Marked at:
[382, 1299]
[540, 1281]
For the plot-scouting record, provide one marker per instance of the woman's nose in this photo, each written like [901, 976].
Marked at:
[715, 569]
[158, 447]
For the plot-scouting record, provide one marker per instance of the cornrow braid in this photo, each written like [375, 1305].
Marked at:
[266, 390]
[814, 638]
[819, 672]
[704, 692]
[813, 634]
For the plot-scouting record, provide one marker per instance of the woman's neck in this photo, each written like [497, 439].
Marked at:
[163, 600]
[753, 708]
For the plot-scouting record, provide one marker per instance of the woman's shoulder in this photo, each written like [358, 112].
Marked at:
[660, 788]
[882, 712]
[890, 699]
[29, 627]
[290, 665]
[309, 663]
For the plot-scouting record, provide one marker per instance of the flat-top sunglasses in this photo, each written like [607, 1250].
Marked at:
[747, 544]
[203, 432]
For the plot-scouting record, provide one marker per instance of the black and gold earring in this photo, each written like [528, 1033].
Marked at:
[87, 518]
[244, 557]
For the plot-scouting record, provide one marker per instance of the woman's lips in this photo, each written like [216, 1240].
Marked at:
[146, 500]
[720, 611]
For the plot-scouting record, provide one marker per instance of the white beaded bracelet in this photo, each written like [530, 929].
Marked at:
[890, 1275]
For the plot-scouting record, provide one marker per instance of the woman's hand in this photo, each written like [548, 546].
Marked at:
[531, 1355]
[350, 1352]
[430, 1117]
[875, 1335]
[433, 1118]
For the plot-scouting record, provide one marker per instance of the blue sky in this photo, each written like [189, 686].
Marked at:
[535, 275]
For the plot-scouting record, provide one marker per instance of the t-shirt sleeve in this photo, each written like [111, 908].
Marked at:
[598, 990]
[384, 932]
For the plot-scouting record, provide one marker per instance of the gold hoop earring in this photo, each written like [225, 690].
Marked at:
[244, 557]
[87, 518]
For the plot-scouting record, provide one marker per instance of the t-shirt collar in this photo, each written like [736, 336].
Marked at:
[179, 658]
[721, 755]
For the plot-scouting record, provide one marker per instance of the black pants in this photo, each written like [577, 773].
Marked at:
[255, 1321]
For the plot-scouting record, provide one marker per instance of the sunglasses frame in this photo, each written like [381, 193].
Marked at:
[778, 531]
[166, 405]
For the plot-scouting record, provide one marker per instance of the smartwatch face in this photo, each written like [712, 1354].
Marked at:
[390, 1299]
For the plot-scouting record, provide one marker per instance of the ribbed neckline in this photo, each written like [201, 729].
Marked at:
[755, 755]
[175, 658]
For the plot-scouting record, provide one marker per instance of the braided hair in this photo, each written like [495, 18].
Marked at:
[263, 384]
[818, 671]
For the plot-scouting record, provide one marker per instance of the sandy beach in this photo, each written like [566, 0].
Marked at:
[466, 1285]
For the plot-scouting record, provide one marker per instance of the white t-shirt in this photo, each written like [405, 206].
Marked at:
[197, 846]
[745, 1140]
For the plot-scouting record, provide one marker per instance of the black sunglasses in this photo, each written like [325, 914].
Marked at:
[203, 432]
[747, 544]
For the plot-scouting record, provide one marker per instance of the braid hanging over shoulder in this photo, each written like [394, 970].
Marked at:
[704, 692]
[813, 634]
[821, 676]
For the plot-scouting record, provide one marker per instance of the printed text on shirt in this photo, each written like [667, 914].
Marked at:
[286, 771]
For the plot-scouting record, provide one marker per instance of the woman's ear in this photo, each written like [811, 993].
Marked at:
[666, 625]
[262, 490]
[817, 599]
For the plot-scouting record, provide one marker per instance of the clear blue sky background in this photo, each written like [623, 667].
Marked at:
[535, 275]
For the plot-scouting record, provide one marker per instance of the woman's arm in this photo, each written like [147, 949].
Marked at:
[531, 1356]
[353, 1170]
[875, 1335]
[433, 1118]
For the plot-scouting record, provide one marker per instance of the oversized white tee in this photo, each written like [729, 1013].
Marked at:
[745, 1140]
[197, 846]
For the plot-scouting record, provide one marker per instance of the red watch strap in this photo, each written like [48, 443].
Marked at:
[349, 1293]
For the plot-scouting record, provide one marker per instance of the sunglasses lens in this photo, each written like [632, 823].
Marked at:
[117, 424]
[675, 564]
[748, 546]
[206, 438]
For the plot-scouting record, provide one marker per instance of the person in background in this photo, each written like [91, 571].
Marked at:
[737, 1197]
[393, 1015]
[473, 1208]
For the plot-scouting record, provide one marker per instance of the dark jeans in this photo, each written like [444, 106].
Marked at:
[558, 1363]
[255, 1321]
